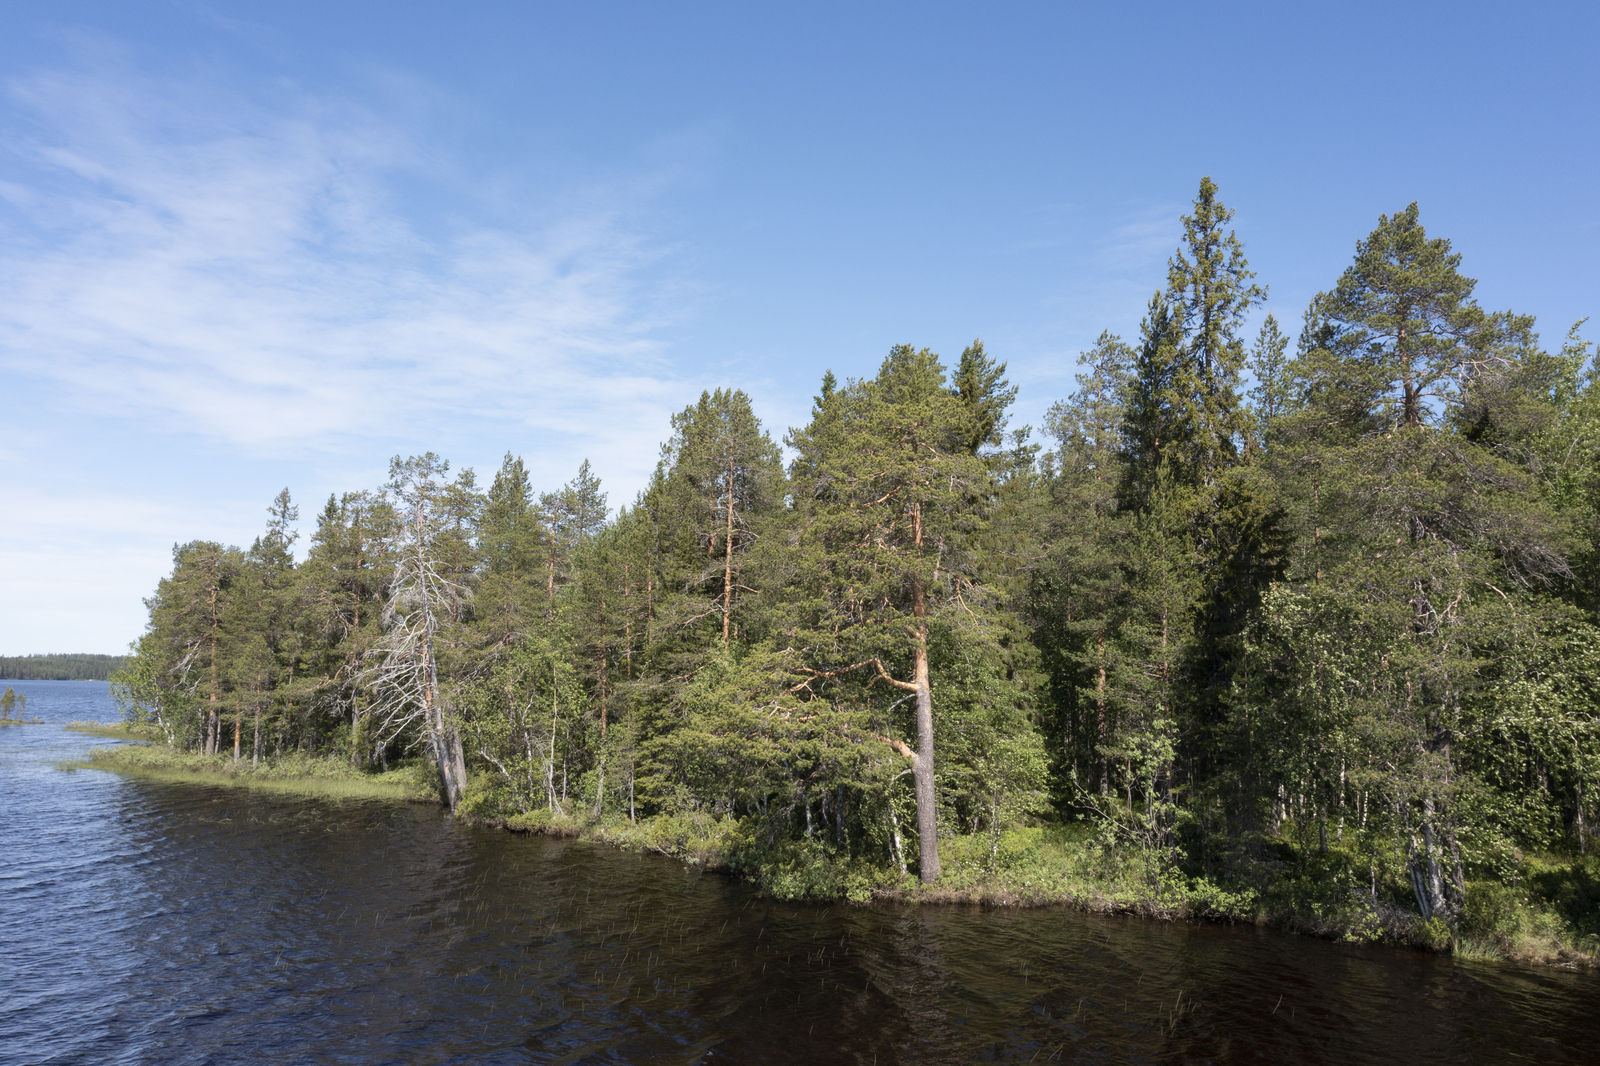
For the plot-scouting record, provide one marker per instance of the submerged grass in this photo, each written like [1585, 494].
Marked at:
[298, 775]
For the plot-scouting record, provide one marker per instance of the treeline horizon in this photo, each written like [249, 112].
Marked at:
[59, 666]
[1349, 610]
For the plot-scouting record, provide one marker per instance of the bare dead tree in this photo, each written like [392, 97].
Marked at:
[422, 601]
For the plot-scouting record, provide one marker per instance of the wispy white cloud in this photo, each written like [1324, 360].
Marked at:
[1145, 237]
[261, 279]
[248, 293]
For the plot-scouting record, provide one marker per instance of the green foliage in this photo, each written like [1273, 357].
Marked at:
[292, 774]
[1306, 637]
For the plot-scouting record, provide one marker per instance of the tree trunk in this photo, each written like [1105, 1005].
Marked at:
[446, 740]
[727, 564]
[550, 764]
[452, 762]
[922, 769]
[600, 678]
[894, 839]
[1583, 833]
[1432, 876]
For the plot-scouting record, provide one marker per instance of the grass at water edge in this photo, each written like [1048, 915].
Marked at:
[1025, 868]
[322, 778]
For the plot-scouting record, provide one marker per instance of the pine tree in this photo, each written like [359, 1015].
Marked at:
[263, 623]
[572, 515]
[189, 611]
[981, 384]
[343, 578]
[730, 474]
[1568, 463]
[887, 489]
[1403, 323]
[1423, 533]
[1076, 587]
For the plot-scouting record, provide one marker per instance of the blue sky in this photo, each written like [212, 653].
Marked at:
[244, 246]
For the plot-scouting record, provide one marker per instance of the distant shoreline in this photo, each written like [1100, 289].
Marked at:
[59, 666]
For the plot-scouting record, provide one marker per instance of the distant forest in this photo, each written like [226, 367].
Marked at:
[74, 667]
[1250, 599]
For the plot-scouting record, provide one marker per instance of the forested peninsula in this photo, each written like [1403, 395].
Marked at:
[1300, 630]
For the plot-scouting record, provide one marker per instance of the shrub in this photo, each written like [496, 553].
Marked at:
[1492, 910]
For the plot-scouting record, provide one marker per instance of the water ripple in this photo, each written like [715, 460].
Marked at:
[171, 924]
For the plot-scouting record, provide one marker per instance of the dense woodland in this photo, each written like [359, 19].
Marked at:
[1335, 588]
[60, 667]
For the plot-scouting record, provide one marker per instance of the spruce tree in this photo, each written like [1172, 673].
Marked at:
[512, 554]
[1210, 292]
[1272, 397]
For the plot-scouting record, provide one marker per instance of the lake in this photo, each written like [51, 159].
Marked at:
[176, 924]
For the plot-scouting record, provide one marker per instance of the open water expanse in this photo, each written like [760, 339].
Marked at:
[164, 924]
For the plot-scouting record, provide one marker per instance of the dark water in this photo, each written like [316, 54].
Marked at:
[159, 924]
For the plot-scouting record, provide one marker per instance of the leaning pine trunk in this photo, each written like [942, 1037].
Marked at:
[922, 769]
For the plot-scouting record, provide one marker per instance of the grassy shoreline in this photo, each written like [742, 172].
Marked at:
[114, 730]
[295, 775]
[1033, 867]
[1059, 868]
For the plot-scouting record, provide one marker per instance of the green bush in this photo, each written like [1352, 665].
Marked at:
[1492, 910]
[1433, 933]
[1572, 885]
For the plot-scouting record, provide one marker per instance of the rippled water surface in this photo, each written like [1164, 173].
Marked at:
[165, 924]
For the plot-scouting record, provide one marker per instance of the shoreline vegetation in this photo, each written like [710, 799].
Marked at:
[14, 708]
[1294, 630]
[322, 777]
[1040, 866]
